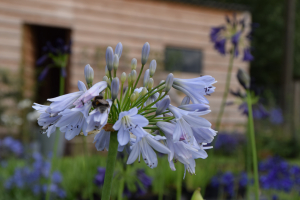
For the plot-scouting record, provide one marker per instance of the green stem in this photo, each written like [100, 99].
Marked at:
[56, 139]
[178, 182]
[110, 166]
[253, 145]
[248, 158]
[121, 189]
[225, 94]
[137, 80]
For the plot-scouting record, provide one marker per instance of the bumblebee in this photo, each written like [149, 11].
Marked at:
[100, 103]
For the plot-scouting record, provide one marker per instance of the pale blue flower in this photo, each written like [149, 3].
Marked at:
[130, 121]
[195, 88]
[145, 146]
[63, 102]
[89, 74]
[88, 95]
[181, 151]
[73, 121]
[101, 140]
[109, 57]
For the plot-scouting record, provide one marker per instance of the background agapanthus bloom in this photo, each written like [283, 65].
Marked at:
[235, 36]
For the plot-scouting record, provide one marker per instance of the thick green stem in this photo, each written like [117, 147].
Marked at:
[110, 166]
[179, 181]
[225, 94]
[253, 145]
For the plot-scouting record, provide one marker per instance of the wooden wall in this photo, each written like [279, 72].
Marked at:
[96, 24]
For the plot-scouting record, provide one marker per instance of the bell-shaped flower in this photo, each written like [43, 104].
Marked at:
[73, 121]
[247, 55]
[101, 140]
[186, 120]
[163, 104]
[90, 94]
[99, 116]
[195, 88]
[145, 146]
[66, 101]
[130, 121]
[45, 120]
[181, 151]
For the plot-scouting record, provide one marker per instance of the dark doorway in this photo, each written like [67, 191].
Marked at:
[48, 87]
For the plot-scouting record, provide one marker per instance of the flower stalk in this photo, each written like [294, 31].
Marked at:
[226, 91]
[253, 145]
[110, 166]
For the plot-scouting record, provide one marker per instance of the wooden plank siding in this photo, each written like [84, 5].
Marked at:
[96, 24]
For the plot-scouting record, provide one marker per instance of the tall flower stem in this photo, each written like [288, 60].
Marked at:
[248, 158]
[179, 182]
[110, 166]
[226, 91]
[253, 145]
[56, 139]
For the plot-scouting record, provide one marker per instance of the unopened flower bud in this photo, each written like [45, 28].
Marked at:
[152, 67]
[132, 97]
[243, 78]
[163, 105]
[119, 49]
[129, 78]
[169, 82]
[146, 78]
[150, 84]
[185, 100]
[133, 63]
[145, 53]
[109, 57]
[89, 74]
[133, 75]
[106, 71]
[116, 62]
[115, 88]
[105, 78]
[137, 94]
[123, 77]
[144, 91]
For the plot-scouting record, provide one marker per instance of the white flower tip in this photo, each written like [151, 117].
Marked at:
[169, 82]
[123, 77]
[116, 62]
[89, 74]
[133, 63]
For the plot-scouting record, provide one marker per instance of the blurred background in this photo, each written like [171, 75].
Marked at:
[33, 31]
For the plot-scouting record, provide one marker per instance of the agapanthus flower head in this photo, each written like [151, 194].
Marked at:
[233, 37]
[57, 54]
[134, 115]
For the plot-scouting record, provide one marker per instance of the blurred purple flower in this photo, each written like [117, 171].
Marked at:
[99, 178]
[44, 73]
[247, 55]
[276, 116]
[220, 46]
